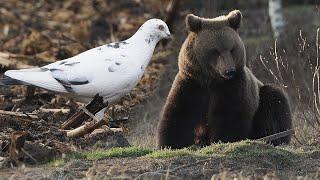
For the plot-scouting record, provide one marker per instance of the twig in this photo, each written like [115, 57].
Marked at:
[31, 116]
[63, 111]
[277, 135]
[86, 128]
[270, 71]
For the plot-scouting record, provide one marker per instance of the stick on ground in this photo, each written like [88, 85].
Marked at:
[86, 128]
[25, 117]
[277, 135]
[63, 111]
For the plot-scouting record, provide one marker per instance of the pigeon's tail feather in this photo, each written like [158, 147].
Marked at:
[8, 81]
[36, 77]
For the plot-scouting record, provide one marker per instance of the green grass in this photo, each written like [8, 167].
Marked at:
[117, 152]
[57, 162]
[243, 149]
[167, 153]
[253, 150]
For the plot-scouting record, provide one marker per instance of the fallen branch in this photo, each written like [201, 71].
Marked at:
[277, 135]
[79, 117]
[86, 128]
[63, 111]
[22, 116]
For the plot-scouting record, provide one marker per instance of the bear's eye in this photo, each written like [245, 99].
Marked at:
[161, 27]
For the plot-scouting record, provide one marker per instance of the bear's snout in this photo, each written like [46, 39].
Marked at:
[226, 66]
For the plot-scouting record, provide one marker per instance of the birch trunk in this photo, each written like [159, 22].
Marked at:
[276, 17]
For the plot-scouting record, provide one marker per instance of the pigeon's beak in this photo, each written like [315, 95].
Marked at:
[169, 36]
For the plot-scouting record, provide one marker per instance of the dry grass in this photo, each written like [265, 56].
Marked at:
[301, 79]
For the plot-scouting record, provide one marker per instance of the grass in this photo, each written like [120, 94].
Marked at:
[57, 162]
[117, 152]
[254, 150]
[168, 153]
[242, 149]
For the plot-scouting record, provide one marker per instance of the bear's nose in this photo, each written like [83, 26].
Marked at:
[230, 73]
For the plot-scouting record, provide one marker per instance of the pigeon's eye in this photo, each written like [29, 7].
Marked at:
[161, 27]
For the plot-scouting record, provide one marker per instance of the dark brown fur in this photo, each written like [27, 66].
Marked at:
[215, 97]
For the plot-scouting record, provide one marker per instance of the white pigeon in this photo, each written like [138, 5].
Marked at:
[111, 70]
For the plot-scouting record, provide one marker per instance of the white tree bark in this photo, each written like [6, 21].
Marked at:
[276, 17]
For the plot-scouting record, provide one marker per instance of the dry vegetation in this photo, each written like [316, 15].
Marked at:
[37, 32]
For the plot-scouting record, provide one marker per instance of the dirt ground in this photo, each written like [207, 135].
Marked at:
[42, 32]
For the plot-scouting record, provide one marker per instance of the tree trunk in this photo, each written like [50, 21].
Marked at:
[276, 18]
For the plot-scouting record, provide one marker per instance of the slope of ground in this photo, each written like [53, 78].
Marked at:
[246, 159]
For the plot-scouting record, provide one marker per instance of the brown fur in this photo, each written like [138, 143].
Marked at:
[215, 97]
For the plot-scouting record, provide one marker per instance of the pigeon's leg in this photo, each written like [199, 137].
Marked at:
[99, 115]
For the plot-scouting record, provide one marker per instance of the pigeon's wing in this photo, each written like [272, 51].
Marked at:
[69, 76]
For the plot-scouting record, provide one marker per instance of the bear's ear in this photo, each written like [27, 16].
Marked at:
[193, 23]
[234, 18]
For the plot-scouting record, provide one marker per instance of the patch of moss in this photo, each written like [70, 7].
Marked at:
[117, 152]
[57, 162]
[252, 150]
[167, 153]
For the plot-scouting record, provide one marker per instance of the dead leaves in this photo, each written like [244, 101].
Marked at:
[36, 43]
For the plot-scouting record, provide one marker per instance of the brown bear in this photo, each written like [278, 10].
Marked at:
[214, 96]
